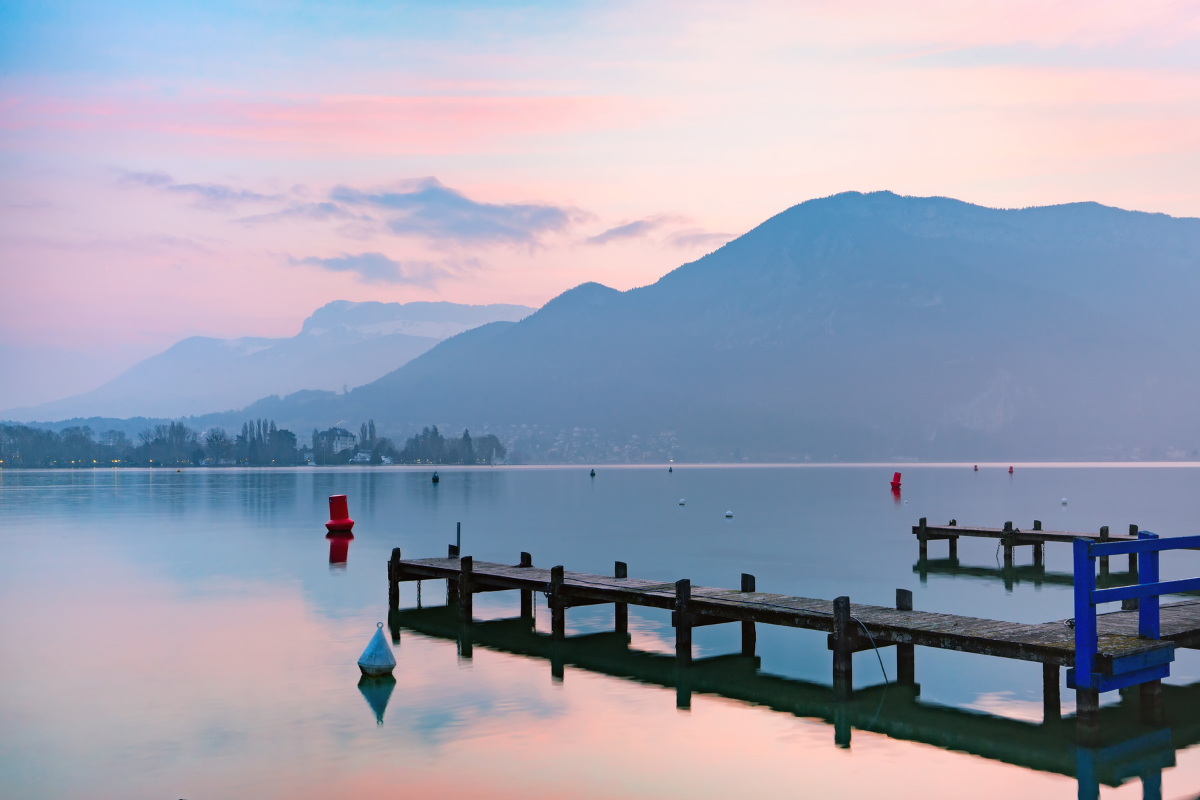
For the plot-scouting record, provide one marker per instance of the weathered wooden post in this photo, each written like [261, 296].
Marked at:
[906, 661]
[749, 635]
[621, 610]
[923, 543]
[394, 579]
[1132, 605]
[465, 642]
[1087, 715]
[843, 654]
[1051, 697]
[1104, 559]
[953, 542]
[1009, 542]
[1151, 702]
[394, 624]
[558, 611]
[465, 589]
[1039, 552]
[683, 621]
[451, 584]
[526, 594]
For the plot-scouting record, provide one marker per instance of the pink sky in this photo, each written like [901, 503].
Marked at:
[173, 173]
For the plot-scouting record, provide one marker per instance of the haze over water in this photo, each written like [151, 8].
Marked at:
[185, 635]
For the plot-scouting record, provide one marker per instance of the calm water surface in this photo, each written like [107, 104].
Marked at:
[185, 635]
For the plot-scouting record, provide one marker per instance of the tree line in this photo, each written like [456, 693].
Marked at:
[261, 443]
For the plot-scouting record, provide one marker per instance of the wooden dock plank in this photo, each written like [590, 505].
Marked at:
[1020, 536]
[1050, 643]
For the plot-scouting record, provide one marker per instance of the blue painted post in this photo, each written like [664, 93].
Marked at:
[1150, 692]
[1148, 607]
[1087, 695]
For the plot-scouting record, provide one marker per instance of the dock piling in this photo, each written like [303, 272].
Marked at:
[526, 594]
[1151, 702]
[393, 570]
[1104, 559]
[621, 610]
[452, 583]
[558, 608]
[843, 653]
[906, 657]
[1009, 542]
[1132, 605]
[1051, 696]
[921, 538]
[749, 634]
[465, 593]
[683, 621]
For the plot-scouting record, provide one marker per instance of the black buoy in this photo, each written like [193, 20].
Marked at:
[436, 478]
[593, 473]
[670, 469]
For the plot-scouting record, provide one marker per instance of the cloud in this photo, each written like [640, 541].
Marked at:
[427, 208]
[697, 238]
[629, 230]
[315, 212]
[378, 268]
[209, 195]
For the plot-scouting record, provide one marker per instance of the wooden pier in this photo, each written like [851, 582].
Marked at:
[852, 627]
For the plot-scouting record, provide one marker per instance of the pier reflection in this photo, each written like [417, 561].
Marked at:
[1012, 576]
[1128, 750]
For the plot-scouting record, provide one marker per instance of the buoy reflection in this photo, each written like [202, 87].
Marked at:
[377, 690]
[339, 548]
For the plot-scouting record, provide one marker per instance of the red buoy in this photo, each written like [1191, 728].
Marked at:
[339, 514]
[977, 468]
[896, 481]
[1010, 470]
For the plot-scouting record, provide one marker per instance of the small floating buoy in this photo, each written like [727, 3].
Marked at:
[339, 515]
[1064, 501]
[728, 515]
[681, 501]
[670, 469]
[896, 481]
[1010, 470]
[179, 470]
[593, 473]
[977, 468]
[377, 659]
[435, 477]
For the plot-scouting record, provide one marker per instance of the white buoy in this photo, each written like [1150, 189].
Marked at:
[377, 659]
[728, 515]
[681, 501]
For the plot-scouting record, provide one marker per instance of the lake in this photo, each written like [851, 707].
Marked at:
[194, 634]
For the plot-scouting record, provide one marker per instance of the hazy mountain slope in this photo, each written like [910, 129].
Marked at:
[341, 344]
[860, 326]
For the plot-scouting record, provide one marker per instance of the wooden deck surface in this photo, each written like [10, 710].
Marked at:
[1019, 536]
[1049, 643]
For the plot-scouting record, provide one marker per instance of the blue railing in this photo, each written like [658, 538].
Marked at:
[1140, 667]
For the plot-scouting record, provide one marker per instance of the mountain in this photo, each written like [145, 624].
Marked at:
[342, 344]
[858, 326]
